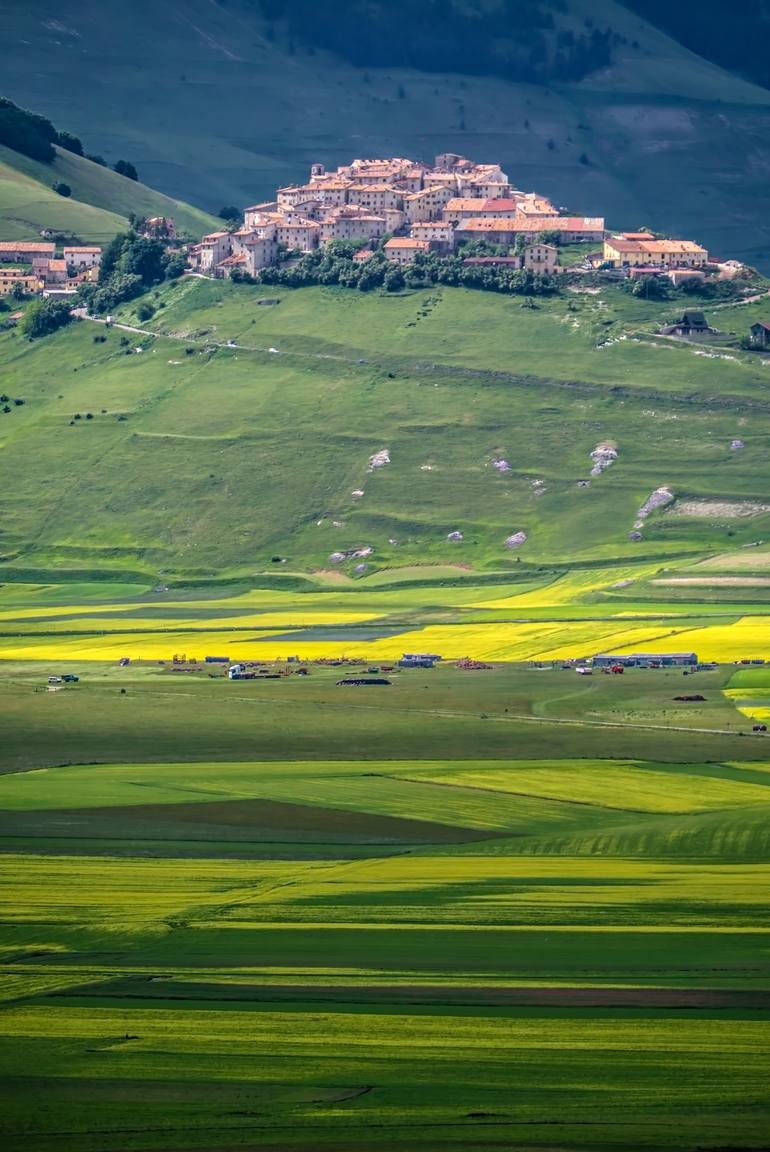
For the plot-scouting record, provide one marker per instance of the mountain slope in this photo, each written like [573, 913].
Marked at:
[210, 108]
[98, 208]
[28, 206]
[201, 457]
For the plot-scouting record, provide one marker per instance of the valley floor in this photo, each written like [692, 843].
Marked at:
[484, 909]
[492, 908]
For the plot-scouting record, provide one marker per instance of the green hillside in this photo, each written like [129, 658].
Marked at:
[212, 110]
[98, 208]
[201, 457]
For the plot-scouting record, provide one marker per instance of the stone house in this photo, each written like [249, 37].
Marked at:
[440, 234]
[428, 204]
[255, 250]
[542, 259]
[55, 272]
[25, 251]
[402, 249]
[303, 235]
[375, 197]
[80, 259]
[352, 227]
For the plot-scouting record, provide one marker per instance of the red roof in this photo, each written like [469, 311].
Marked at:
[500, 205]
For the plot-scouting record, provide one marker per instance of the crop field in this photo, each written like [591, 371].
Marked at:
[509, 908]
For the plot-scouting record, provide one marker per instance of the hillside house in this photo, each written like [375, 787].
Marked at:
[402, 249]
[571, 229]
[427, 204]
[211, 251]
[692, 323]
[302, 236]
[252, 252]
[439, 234]
[343, 224]
[542, 259]
[375, 197]
[461, 208]
[55, 272]
[159, 228]
[11, 278]
[80, 259]
[621, 252]
[25, 251]
[760, 334]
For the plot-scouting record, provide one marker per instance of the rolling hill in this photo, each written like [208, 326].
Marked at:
[98, 208]
[235, 107]
[245, 423]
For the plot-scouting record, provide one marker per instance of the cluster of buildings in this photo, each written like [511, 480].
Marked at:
[37, 267]
[424, 208]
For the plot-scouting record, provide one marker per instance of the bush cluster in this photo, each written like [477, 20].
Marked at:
[44, 317]
[130, 265]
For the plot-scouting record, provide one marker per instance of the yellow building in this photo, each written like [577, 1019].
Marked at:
[622, 252]
[10, 278]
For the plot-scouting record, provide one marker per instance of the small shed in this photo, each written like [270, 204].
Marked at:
[692, 323]
[760, 334]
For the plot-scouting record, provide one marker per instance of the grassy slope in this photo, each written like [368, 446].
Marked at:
[100, 203]
[227, 457]
[228, 115]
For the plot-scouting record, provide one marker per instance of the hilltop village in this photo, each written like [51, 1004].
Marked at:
[417, 209]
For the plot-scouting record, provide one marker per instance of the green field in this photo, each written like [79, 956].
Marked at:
[98, 208]
[462, 913]
[205, 461]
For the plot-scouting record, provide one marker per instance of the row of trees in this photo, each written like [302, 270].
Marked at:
[334, 265]
[131, 264]
[35, 136]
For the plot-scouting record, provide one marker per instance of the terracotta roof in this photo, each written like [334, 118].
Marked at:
[622, 245]
[57, 265]
[500, 204]
[477, 225]
[84, 248]
[465, 204]
[26, 246]
[406, 242]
